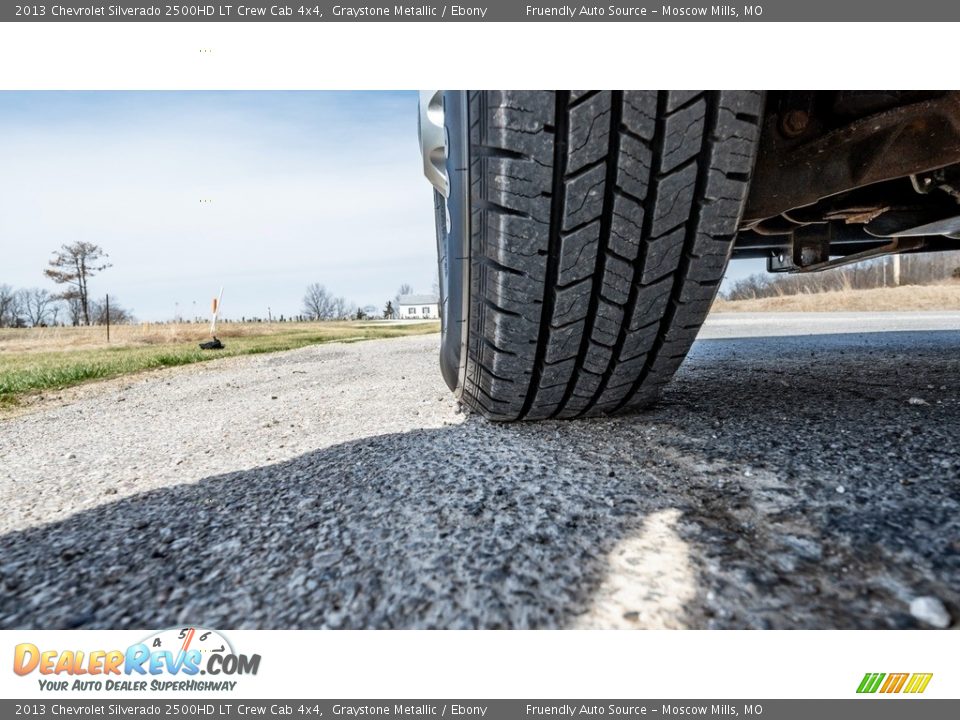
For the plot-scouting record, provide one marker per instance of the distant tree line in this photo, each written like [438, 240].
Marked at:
[320, 304]
[37, 307]
[74, 264]
[71, 267]
[923, 269]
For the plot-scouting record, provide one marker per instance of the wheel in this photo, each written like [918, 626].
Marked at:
[582, 238]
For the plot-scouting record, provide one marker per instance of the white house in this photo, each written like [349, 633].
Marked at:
[418, 307]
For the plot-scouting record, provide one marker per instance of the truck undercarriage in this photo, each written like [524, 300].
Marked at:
[844, 176]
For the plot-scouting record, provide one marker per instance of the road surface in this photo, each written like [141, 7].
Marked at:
[800, 472]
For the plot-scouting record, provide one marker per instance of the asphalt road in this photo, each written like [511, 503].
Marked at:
[786, 480]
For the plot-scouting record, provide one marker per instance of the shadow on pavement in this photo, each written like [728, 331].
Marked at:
[783, 482]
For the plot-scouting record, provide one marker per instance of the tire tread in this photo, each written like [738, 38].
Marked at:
[601, 226]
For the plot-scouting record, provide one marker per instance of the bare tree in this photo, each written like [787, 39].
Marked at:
[10, 301]
[404, 289]
[55, 311]
[337, 307]
[340, 309]
[74, 310]
[38, 305]
[73, 265]
[317, 302]
[119, 315]
[320, 304]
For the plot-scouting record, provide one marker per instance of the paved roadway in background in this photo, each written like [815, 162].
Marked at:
[800, 472]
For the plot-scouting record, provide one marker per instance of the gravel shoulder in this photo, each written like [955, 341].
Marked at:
[786, 480]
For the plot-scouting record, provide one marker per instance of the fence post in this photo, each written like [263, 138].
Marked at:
[108, 317]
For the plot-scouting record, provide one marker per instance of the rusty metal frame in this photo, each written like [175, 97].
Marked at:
[892, 144]
[894, 247]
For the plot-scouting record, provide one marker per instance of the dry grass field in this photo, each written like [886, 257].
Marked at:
[38, 359]
[908, 297]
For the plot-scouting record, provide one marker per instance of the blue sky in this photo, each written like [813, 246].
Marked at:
[304, 187]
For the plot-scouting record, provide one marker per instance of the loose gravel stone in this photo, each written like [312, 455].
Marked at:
[931, 611]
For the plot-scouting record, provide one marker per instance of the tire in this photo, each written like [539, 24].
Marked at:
[583, 241]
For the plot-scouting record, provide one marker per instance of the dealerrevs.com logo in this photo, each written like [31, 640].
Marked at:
[889, 683]
[168, 660]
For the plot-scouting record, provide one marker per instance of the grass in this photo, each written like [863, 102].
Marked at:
[908, 297]
[33, 360]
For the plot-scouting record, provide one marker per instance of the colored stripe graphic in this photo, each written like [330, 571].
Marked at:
[918, 682]
[895, 682]
[870, 682]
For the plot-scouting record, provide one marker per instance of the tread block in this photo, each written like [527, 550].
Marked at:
[589, 135]
[564, 342]
[578, 253]
[571, 303]
[683, 135]
[663, 256]
[633, 167]
[617, 276]
[550, 395]
[583, 198]
[558, 373]
[676, 98]
[640, 112]
[508, 236]
[650, 303]
[514, 120]
[507, 289]
[695, 292]
[607, 324]
[626, 227]
[597, 358]
[638, 342]
[674, 200]
[518, 186]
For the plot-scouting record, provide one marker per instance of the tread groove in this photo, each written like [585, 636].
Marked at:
[489, 205]
[689, 240]
[612, 160]
[656, 161]
[557, 202]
